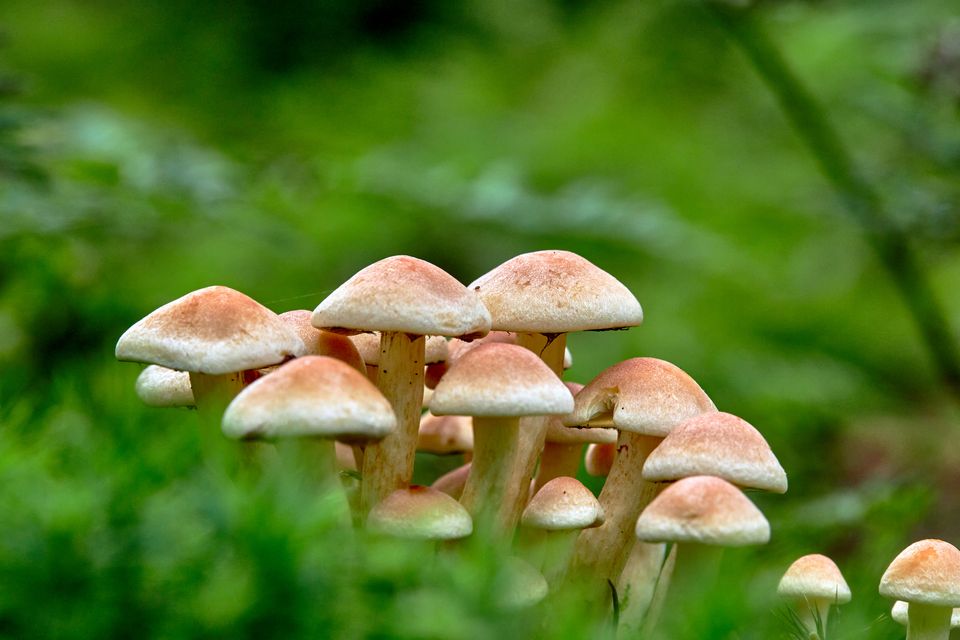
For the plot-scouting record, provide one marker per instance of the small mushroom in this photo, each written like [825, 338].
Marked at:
[420, 513]
[814, 583]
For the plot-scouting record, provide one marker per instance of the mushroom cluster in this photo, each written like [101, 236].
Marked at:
[402, 357]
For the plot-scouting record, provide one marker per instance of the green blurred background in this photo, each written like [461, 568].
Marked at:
[155, 147]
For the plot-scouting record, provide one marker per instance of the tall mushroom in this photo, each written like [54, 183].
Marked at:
[644, 398]
[405, 299]
[927, 576]
[497, 384]
[542, 296]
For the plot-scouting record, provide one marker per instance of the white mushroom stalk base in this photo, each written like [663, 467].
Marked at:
[388, 464]
[494, 455]
[314, 460]
[601, 553]
[534, 432]
[927, 622]
[808, 610]
[211, 395]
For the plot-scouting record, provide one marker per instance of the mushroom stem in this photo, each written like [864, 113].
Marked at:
[494, 455]
[659, 594]
[388, 464]
[315, 459]
[212, 394]
[639, 584]
[534, 431]
[808, 610]
[558, 460]
[600, 553]
[928, 622]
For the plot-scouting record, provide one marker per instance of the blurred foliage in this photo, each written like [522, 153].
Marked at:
[148, 149]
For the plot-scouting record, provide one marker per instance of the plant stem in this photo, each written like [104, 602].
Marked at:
[859, 198]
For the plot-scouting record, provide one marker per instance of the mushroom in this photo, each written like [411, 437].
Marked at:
[162, 387]
[315, 397]
[927, 576]
[405, 299]
[717, 444]
[496, 384]
[559, 510]
[420, 513]
[814, 583]
[642, 598]
[216, 334]
[644, 398]
[706, 510]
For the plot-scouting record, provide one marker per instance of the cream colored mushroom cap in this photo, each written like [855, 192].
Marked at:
[555, 292]
[403, 294]
[214, 330]
[312, 396]
[161, 387]
[926, 572]
[717, 444]
[435, 348]
[445, 434]
[323, 343]
[901, 611]
[703, 509]
[599, 459]
[420, 513]
[500, 380]
[563, 504]
[814, 576]
[642, 395]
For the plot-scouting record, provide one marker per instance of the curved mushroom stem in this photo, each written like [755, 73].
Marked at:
[558, 460]
[494, 455]
[388, 464]
[659, 594]
[534, 431]
[600, 553]
[927, 622]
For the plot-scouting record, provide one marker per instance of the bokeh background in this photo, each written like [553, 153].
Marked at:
[155, 147]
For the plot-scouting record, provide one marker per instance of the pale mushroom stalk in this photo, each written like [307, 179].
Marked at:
[637, 591]
[495, 454]
[315, 459]
[659, 593]
[550, 349]
[212, 394]
[388, 464]
[928, 622]
[602, 552]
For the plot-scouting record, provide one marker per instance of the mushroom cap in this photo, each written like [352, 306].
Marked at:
[927, 572]
[642, 395]
[703, 509]
[312, 396]
[445, 434]
[420, 513]
[368, 344]
[161, 387]
[563, 504]
[555, 292]
[403, 294]
[323, 343]
[215, 330]
[901, 610]
[814, 576]
[452, 482]
[500, 380]
[599, 459]
[717, 444]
